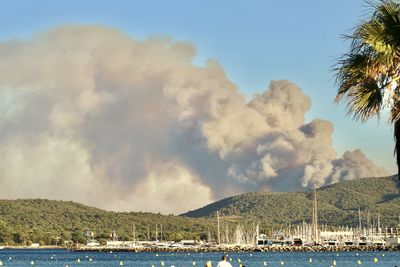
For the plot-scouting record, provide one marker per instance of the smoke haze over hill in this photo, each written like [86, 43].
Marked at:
[91, 115]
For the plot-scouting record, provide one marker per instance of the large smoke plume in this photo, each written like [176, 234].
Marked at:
[92, 115]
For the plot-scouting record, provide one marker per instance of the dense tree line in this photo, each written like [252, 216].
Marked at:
[54, 222]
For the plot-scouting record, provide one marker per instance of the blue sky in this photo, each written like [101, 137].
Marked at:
[255, 42]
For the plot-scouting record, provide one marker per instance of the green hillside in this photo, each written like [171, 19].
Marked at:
[338, 204]
[51, 222]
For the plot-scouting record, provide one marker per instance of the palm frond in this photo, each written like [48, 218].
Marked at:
[372, 63]
[365, 100]
[387, 15]
[352, 70]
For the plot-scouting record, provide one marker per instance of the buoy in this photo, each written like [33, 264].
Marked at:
[156, 255]
[1, 263]
[79, 260]
[90, 259]
[230, 259]
[310, 260]
[265, 263]
[162, 263]
[282, 263]
[66, 266]
[334, 263]
[121, 263]
[194, 263]
[375, 259]
[383, 255]
[359, 262]
[32, 263]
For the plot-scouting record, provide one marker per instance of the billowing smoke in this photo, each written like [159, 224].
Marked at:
[92, 115]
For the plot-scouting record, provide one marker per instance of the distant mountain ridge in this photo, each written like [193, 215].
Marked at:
[338, 204]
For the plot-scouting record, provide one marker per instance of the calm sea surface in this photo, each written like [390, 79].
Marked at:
[63, 258]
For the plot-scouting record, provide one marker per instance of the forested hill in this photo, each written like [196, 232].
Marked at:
[50, 222]
[53, 222]
[338, 204]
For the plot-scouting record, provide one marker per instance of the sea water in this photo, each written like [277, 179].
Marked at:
[62, 258]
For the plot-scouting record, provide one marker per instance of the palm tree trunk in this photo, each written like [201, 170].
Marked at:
[397, 145]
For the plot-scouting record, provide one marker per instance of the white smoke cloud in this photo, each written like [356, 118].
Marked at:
[92, 115]
[170, 188]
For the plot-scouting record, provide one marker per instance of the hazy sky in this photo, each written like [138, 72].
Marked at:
[253, 41]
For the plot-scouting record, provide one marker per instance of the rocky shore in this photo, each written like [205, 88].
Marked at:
[238, 249]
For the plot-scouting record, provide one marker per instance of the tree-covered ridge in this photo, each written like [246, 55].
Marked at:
[338, 204]
[50, 222]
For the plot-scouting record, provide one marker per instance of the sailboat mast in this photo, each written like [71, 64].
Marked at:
[156, 232]
[257, 234]
[219, 232]
[227, 233]
[314, 227]
[379, 224]
[134, 232]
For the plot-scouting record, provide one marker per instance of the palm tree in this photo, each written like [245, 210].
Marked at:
[368, 76]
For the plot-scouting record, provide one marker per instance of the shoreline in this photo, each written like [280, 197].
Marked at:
[203, 249]
[5, 247]
[239, 249]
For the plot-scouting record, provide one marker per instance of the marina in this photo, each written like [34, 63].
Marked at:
[368, 236]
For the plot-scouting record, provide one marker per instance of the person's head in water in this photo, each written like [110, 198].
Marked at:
[223, 257]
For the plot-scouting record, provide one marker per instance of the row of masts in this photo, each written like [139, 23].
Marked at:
[243, 234]
[114, 236]
[312, 231]
[307, 231]
[314, 220]
[239, 229]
